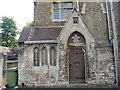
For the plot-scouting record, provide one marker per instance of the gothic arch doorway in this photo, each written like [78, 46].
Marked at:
[76, 56]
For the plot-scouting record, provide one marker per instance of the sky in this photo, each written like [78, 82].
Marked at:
[21, 11]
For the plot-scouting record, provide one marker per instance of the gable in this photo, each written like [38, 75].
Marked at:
[24, 35]
[71, 26]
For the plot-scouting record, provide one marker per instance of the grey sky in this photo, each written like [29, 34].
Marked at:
[20, 10]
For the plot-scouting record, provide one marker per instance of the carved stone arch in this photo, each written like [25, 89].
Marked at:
[80, 27]
[76, 39]
[76, 58]
[86, 34]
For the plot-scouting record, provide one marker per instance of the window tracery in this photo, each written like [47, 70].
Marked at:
[44, 56]
[53, 56]
[36, 56]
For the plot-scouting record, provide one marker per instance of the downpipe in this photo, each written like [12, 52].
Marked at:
[115, 43]
[108, 20]
[78, 6]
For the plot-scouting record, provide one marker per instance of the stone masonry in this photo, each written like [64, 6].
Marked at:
[98, 51]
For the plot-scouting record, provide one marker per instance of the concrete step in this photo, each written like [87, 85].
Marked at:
[62, 89]
[69, 87]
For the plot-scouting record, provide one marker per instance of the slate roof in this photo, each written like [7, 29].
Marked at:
[24, 35]
[50, 33]
[38, 34]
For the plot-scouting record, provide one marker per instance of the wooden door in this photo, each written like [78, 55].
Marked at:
[76, 65]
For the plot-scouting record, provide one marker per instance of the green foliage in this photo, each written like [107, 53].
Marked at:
[9, 32]
[29, 24]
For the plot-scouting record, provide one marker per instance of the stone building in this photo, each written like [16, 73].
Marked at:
[3, 64]
[70, 43]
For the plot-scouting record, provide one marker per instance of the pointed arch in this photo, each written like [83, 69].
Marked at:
[44, 57]
[53, 56]
[76, 59]
[80, 27]
[76, 39]
[36, 57]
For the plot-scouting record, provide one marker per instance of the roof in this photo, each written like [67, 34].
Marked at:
[50, 33]
[39, 34]
[24, 35]
[4, 50]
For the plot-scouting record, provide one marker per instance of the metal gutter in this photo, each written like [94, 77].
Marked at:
[78, 5]
[115, 43]
[108, 20]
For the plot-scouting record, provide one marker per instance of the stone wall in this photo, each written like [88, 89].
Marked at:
[117, 14]
[94, 19]
[1, 69]
[32, 75]
[103, 71]
[96, 22]
[3, 66]
[99, 69]
[43, 15]
[99, 54]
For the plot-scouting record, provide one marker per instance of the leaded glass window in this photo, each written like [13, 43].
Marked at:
[36, 56]
[44, 57]
[53, 56]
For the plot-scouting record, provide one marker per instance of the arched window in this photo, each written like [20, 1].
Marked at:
[36, 56]
[44, 56]
[53, 56]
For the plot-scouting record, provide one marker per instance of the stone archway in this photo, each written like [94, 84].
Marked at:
[63, 41]
[76, 45]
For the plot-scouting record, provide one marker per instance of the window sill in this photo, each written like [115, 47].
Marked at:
[60, 20]
[44, 66]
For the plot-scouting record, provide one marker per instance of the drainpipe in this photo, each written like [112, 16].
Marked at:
[115, 43]
[108, 20]
[78, 5]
